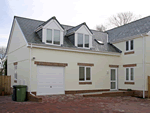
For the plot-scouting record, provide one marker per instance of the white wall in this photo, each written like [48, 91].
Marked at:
[100, 78]
[18, 52]
[135, 58]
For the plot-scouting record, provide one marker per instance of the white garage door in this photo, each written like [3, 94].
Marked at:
[50, 80]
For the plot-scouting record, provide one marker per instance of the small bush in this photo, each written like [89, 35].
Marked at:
[129, 89]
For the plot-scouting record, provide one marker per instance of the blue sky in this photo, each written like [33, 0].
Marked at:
[69, 12]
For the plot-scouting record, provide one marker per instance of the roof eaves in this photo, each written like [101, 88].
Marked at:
[129, 38]
[115, 47]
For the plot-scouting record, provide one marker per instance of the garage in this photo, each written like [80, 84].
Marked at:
[50, 80]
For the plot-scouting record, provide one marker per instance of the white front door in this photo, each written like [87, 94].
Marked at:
[113, 79]
[50, 80]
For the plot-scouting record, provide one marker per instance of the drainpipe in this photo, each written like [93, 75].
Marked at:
[143, 66]
[30, 70]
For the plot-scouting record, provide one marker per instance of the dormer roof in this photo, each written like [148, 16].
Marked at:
[74, 29]
[44, 23]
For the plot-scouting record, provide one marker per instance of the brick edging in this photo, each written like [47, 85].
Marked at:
[131, 52]
[129, 65]
[115, 66]
[84, 83]
[85, 91]
[50, 64]
[132, 83]
[85, 64]
[33, 98]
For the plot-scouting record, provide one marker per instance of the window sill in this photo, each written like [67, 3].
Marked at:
[53, 44]
[129, 52]
[132, 83]
[15, 81]
[83, 47]
[83, 83]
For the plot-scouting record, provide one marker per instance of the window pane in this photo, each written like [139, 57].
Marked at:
[49, 36]
[57, 37]
[113, 85]
[113, 75]
[80, 40]
[127, 73]
[86, 41]
[132, 74]
[127, 45]
[132, 45]
[15, 71]
[81, 73]
[15, 75]
[88, 72]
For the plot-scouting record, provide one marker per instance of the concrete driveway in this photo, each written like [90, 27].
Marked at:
[76, 104]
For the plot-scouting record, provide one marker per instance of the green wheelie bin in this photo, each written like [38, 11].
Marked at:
[21, 93]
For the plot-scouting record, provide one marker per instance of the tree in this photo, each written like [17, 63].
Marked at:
[101, 28]
[5, 67]
[122, 19]
[2, 51]
[118, 20]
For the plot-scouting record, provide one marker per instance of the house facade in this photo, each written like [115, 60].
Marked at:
[52, 58]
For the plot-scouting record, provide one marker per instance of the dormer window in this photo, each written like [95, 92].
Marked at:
[53, 36]
[83, 40]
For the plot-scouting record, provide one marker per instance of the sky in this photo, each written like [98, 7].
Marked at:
[68, 12]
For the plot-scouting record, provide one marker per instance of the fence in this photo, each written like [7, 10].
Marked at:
[5, 83]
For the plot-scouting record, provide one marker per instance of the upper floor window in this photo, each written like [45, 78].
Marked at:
[83, 40]
[129, 45]
[53, 36]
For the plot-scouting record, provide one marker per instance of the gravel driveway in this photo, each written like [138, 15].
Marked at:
[76, 104]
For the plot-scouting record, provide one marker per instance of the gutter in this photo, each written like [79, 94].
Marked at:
[42, 46]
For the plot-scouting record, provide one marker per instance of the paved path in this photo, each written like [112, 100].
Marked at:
[76, 104]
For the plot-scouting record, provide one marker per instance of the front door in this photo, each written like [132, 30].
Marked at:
[113, 79]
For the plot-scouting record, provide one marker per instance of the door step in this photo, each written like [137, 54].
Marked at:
[110, 94]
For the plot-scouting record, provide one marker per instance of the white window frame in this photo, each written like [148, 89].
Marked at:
[83, 41]
[116, 81]
[85, 74]
[53, 37]
[15, 72]
[129, 46]
[130, 74]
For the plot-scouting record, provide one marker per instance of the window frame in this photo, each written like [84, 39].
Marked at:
[83, 41]
[130, 74]
[129, 46]
[53, 37]
[15, 72]
[85, 74]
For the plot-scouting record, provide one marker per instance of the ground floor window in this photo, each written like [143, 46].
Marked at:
[84, 73]
[15, 72]
[129, 74]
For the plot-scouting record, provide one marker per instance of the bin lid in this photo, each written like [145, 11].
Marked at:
[19, 86]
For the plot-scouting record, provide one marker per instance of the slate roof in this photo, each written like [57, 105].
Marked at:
[134, 28]
[73, 29]
[28, 27]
